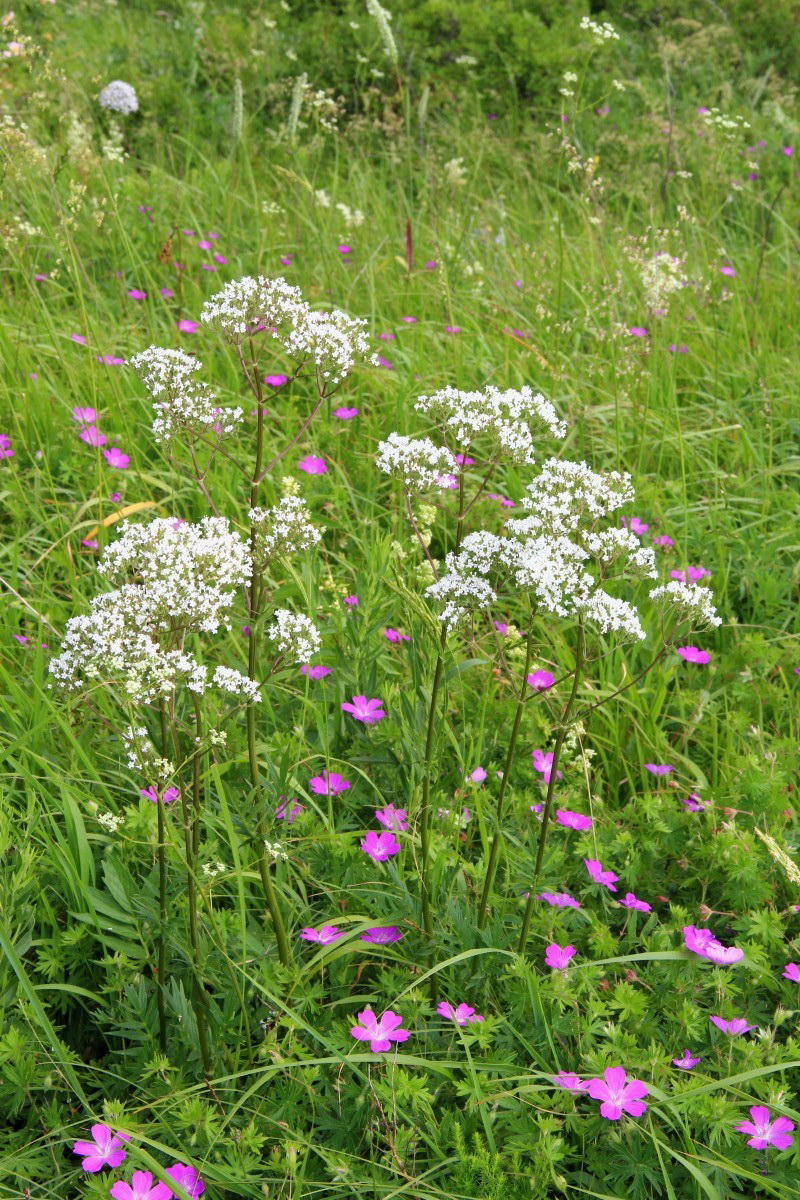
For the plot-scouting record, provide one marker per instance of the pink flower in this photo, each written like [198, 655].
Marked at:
[559, 899]
[431, 265]
[557, 957]
[276, 381]
[630, 901]
[394, 635]
[5, 446]
[788, 151]
[693, 803]
[543, 763]
[382, 935]
[703, 943]
[733, 1028]
[110, 360]
[765, 1132]
[168, 797]
[638, 331]
[598, 875]
[312, 465]
[187, 1178]
[635, 524]
[141, 1187]
[379, 1032]
[392, 818]
[136, 294]
[351, 601]
[792, 972]
[315, 672]
[452, 329]
[104, 1150]
[570, 1082]
[727, 271]
[658, 768]
[409, 320]
[380, 846]
[324, 935]
[573, 820]
[690, 575]
[464, 461]
[329, 783]
[84, 416]
[288, 811]
[618, 1095]
[92, 436]
[167, 293]
[90, 543]
[79, 338]
[478, 775]
[540, 681]
[362, 709]
[115, 458]
[724, 956]
[345, 414]
[676, 349]
[185, 326]
[384, 362]
[687, 1062]
[692, 654]
[220, 258]
[463, 1015]
[344, 249]
[502, 628]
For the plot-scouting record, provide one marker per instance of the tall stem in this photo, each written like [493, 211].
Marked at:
[253, 611]
[580, 651]
[494, 851]
[162, 904]
[425, 812]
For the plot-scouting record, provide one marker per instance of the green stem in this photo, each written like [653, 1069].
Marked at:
[494, 851]
[162, 905]
[580, 650]
[425, 812]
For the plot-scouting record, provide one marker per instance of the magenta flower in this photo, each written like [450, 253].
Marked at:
[79, 338]
[344, 249]
[690, 575]
[384, 362]
[276, 381]
[559, 899]
[115, 458]
[631, 901]
[733, 1028]
[658, 768]
[392, 818]
[141, 1187]
[557, 957]
[92, 436]
[703, 943]
[106, 1149]
[792, 972]
[167, 293]
[312, 465]
[663, 540]
[598, 875]
[5, 446]
[635, 524]
[693, 802]
[110, 360]
[727, 270]
[409, 320]
[766, 1132]
[724, 956]
[288, 810]
[638, 331]
[394, 635]
[463, 1015]
[351, 601]
[345, 414]
[572, 820]
[362, 709]
[687, 1062]
[431, 265]
[329, 783]
[379, 1032]
[502, 628]
[692, 654]
[540, 681]
[137, 294]
[478, 775]
[323, 936]
[464, 460]
[382, 935]
[187, 1178]
[84, 416]
[380, 846]
[618, 1094]
[543, 763]
[570, 1082]
[168, 797]
[185, 326]
[315, 672]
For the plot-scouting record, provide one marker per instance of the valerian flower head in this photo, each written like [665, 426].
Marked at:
[334, 342]
[688, 602]
[295, 635]
[248, 306]
[283, 530]
[507, 419]
[183, 404]
[418, 462]
[119, 97]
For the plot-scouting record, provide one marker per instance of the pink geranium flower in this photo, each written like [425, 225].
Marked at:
[663, 540]
[141, 1187]
[573, 820]
[323, 936]
[734, 1027]
[638, 331]
[687, 1062]
[394, 635]
[288, 810]
[462, 1015]
[276, 381]
[380, 846]
[185, 326]
[392, 818]
[631, 901]
[362, 709]
[559, 899]
[345, 414]
[312, 465]
[478, 775]
[693, 802]
[92, 436]
[170, 795]
[379, 1032]
[79, 338]
[598, 875]
[106, 1149]
[557, 957]
[115, 458]
[658, 768]
[703, 943]
[618, 1094]
[137, 294]
[792, 972]
[84, 416]
[690, 575]
[635, 524]
[692, 654]
[540, 681]
[351, 601]
[543, 763]
[382, 935]
[5, 446]
[315, 672]
[570, 1082]
[329, 783]
[187, 1178]
[766, 1132]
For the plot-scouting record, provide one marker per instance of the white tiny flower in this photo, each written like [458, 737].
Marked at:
[417, 461]
[120, 97]
[688, 601]
[295, 635]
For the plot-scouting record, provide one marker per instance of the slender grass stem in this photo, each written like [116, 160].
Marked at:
[161, 982]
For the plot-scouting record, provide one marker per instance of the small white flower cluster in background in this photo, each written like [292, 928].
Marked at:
[110, 821]
[334, 342]
[460, 594]
[382, 17]
[567, 496]
[229, 680]
[183, 404]
[601, 32]
[353, 217]
[285, 529]
[119, 97]
[508, 419]
[138, 747]
[455, 174]
[729, 127]
[212, 870]
[688, 601]
[275, 850]
[418, 462]
[295, 635]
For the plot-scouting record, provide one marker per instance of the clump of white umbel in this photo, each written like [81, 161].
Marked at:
[509, 420]
[119, 97]
[285, 529]
[418, 462]
[184, 405]
[295, 635]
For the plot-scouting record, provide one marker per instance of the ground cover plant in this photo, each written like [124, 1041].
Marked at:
[399, 653]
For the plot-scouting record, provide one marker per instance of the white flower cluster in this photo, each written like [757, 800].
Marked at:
[417, 461]
[566, 496]
[688, 601]
[332, 341]
[229, 680]
[353, 217]
[138, 747]
[504, 417]
[110, 821]
[182, 403]
[601, 32]
[460, 595]
[120, 97]
[382, 18]
[662, 276]
[294, 635]
[187, 574]
[612, 545]
[727, 126]
[284, 529]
